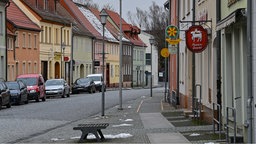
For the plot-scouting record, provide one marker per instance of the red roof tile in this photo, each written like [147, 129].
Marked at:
[19, 19]
[131, 32]
[75, 12]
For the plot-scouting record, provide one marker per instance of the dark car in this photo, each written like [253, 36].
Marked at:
[5, 96]
[84, 85]
[19, 92]
[57, 87]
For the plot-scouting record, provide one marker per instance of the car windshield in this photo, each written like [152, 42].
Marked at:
[12, 85]
[53, 82]
[95, 78]
[29, 81]
[83, 80]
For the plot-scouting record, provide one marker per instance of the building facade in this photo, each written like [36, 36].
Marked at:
[22, 43]
[3, 50]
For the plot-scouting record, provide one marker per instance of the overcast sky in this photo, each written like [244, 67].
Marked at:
[129, 5]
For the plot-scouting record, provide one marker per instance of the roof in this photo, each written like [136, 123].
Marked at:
[114, 31]
[73, 11]
[131, 32]
[19, 19]
[47, 14]
[28, 75]
[96, 23]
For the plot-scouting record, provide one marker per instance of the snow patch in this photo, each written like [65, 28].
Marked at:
[121, 125]
[194, 134]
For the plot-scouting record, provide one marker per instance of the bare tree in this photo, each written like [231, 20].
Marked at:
[154, 22]
[109, 7]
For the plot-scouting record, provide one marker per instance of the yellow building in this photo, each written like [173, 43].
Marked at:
[55, 37]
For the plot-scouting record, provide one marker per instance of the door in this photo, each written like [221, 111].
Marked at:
[57, 70]
[44, 69]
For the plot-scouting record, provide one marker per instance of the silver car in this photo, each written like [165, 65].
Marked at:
[57, 87]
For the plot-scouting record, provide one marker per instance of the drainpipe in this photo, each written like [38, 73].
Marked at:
[178, 62]
[61, 45]
[6, 51]
[250, 57]
[193, 61]
[93, 55]
[71, 57]
[218, 53]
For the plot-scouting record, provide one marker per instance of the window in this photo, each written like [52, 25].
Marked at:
[46, 35]
[56, 36]
[111, 71]
[1, 23]
[10, 43]
[42, 34]
[17, 39]
[46, 4]
[35, 67]
[24, 40]
[29, 40]
[67, 37]
[134, 55]
[24, 68]
[50, 35]
[17, 69]
[35, 41]
[148, 58]
[29, 67]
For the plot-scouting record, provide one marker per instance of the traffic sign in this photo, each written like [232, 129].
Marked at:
[172, 32]
[164, 52]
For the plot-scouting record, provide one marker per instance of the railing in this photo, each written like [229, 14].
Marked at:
[230, 126]
[214, 120]
[197, 103]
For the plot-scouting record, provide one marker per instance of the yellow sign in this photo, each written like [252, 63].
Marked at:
[164, 52]
[173, 41]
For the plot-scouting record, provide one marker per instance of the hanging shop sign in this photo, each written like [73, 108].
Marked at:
[164, 52]
[196, 39]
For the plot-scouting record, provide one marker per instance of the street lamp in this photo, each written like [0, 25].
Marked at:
[62, 59]
[151, 41]
[103, 20]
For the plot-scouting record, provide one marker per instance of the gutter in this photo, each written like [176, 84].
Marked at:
[6, 51]
[250, 57]
[218, 53]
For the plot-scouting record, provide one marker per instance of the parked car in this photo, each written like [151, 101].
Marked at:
[84, 85]
[19, 92]
[35, 86]
[57, 87]
[5, 96]
[98, 80]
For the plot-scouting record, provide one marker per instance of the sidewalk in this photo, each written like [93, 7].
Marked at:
[140, 121]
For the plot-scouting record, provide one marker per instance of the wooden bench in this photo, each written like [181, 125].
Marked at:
[95, 129]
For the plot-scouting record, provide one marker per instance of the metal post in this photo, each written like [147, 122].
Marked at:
[120, 60]
[103, 72]
[193, 63]
[151, 73]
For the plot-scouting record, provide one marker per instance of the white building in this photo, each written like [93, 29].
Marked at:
[145, 38]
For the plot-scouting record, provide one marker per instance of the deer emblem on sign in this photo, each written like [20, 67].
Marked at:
[196, 34]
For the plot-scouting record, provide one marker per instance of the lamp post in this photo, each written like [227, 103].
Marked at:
[103, 20]
[151, 41]
[63, 55]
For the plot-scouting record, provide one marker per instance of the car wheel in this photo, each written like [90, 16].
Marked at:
[19, 100]
[68, 95]
[9, 104]
[63, 96]
[0, 103]
[44, 98]
[26, 101]
[90, 91]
